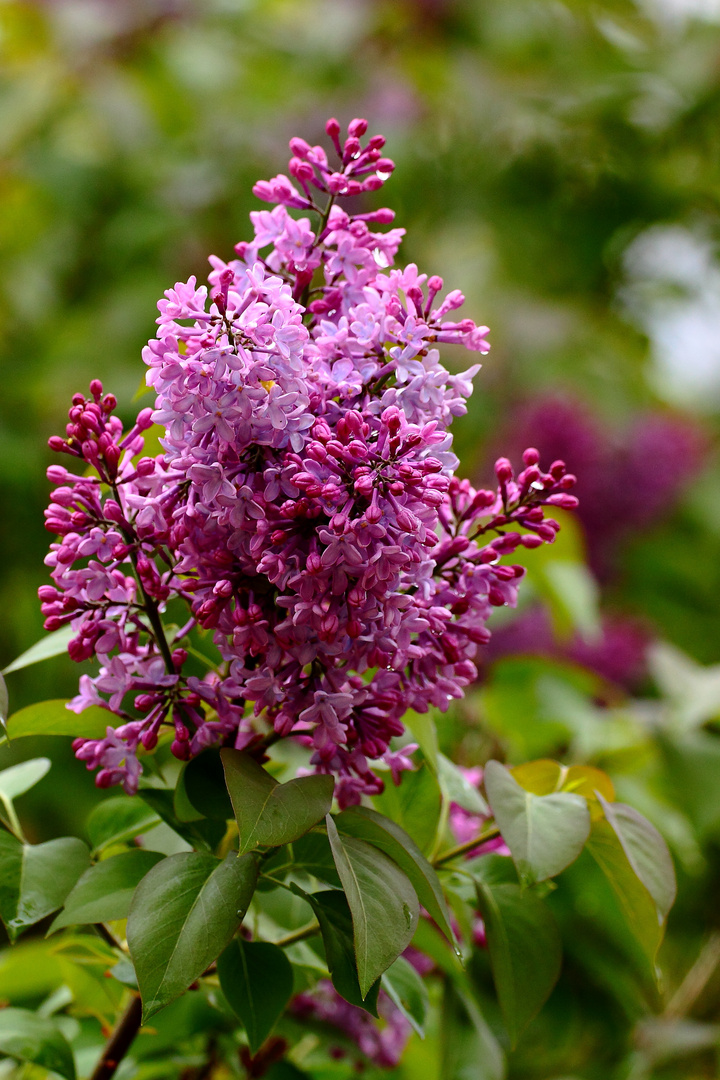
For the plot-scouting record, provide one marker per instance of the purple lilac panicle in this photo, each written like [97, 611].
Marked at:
[305, 507]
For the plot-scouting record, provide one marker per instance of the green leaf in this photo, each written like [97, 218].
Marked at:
[20, 778]
[381, 832]
[414, 804]
[646, 852]
[203, 781]
[336, 926]
[202, 833]
[470, 1051]
[422, 726]
[312, 853]
[54, 718]
[545, 833]
[51, 645]
[120, 818]
[183, 914]
[4, 702]
[408, 993]
[257, 980]
[105, 891]
[36, 878]
[270, 813]
[458, 789]
[636, 904]
[525, 951]
[26, 1036]
[382, 901]
[574, 598]
[545, 777]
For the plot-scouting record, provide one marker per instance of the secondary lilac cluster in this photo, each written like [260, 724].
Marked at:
[381, 1043]
[305, 507]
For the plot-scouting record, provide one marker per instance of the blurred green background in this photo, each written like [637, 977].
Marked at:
[559, 162]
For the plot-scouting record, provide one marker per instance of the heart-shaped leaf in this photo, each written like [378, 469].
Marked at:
[20, 778]
[36, 878]
[333, 913]
[54, 644]
[636, 904]
[203, 781]
[646, 852]
[414, 804]
[257, 980]
[269, 813]
[105, 891]
[525, 951]
[382, 901]
[381, 832]
[183, 914]
[408, 993]
[545, 833]
[54, 718]
[120, 818]
[26, 1036]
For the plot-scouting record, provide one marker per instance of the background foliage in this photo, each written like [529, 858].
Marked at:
[560, 162]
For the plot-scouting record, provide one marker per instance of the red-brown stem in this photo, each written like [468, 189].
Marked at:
[120, 1041]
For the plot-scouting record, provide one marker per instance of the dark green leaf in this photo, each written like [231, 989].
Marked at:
[381, 832]
[105, 891]
[333, 913]
[637, 905]
[20, 778]
[458, 788]
[54, 644]
[269, 813]
[203, 779]
[525, 951]
[54, 718]
[312, 853]
[545, 833]
[646, 852]
[202, 833]
[257, 979]
[414, 804]
[26, 1036]
[183, 914]
[383, 903]
[36, 878]
[120, 818]
[470, 1051]
[408, 992]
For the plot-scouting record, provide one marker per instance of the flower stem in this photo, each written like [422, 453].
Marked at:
[299, 935]
[468, 846]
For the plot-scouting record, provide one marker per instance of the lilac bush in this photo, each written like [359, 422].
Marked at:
[305, 506]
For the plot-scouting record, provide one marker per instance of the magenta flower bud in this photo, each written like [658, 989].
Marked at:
[385, 166]
[96, 389]
[352, 147]
[55, 442]
[376, 142]
[54, 622]
[299, 147]
[179, 657]
[109, 403]
[530, 541]
[503, 470]
[146, 466]
[531, 456]
[223, 588]
[104, 778]
[567, 481]
[373, 183]
[557, 470]
[332, 127]
[144, 420]
[357, 127]
[567, 502]
[336, 183]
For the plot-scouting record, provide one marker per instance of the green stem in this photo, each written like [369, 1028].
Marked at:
[468, 846]
[298, 935]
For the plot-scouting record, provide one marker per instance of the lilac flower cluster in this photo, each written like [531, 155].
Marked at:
[305, 507]
[381, 1043]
